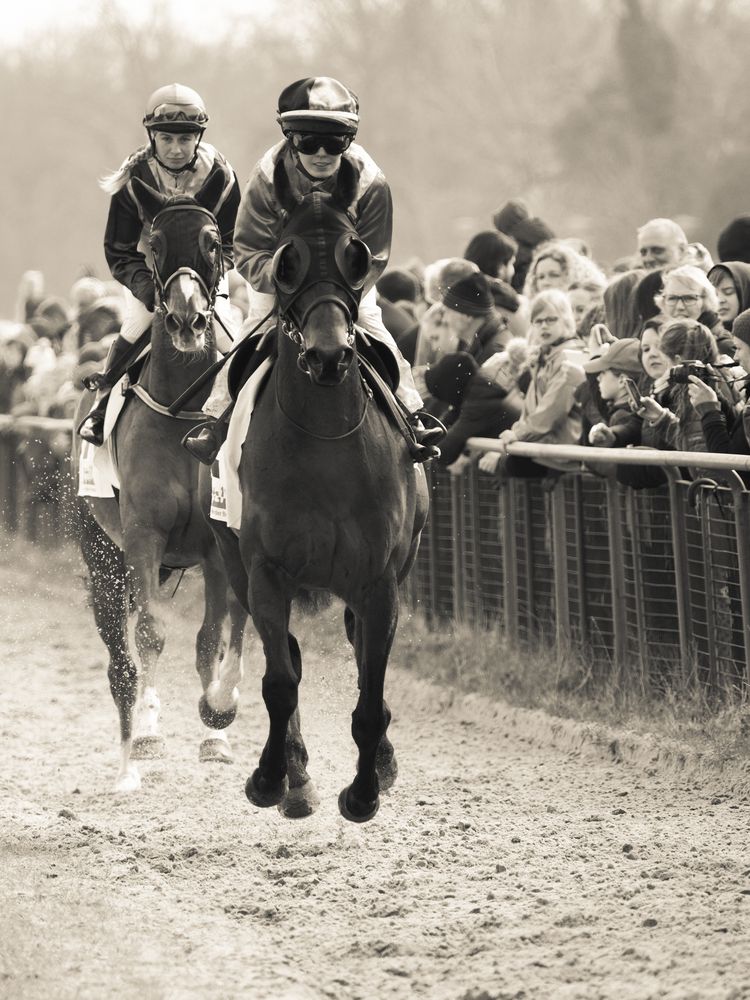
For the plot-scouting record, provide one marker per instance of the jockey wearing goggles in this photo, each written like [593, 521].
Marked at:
[175, 162]
[319, 118]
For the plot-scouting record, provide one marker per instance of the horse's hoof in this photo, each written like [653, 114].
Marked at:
[213, 719]
[356, 812]
[148, 748]
[387, 769]
[263, 795]
[214, 750]
[299, 802]
[128, 782]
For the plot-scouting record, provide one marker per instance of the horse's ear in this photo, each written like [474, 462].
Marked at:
[347, 183]
[209, 195]
[153, 201]
[283, 188]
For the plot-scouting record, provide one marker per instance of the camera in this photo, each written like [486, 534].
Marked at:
[680, 374]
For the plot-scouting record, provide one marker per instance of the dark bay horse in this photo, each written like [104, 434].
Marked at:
[157, 524]
[331, 501]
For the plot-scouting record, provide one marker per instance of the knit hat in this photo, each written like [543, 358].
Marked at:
[512, 212]
[624, 355]
[470, 295]
[448, 379]
[318, 104]
[734, 240]
[741, 327]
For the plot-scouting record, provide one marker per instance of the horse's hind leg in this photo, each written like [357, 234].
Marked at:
[218, 704]
[385, 759]
[110, 598]
[373, 639]
[302, 798]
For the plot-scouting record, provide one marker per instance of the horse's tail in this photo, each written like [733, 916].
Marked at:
[310, 602]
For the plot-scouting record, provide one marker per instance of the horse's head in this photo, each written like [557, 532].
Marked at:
[187, 261]
[319, 271]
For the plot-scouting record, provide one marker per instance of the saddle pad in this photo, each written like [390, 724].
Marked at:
[226, 499]
[97, 467]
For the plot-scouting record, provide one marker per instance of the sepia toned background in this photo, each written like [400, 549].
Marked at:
[601, 113]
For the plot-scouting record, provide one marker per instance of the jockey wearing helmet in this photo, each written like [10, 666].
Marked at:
[175, 161]
[319, 118]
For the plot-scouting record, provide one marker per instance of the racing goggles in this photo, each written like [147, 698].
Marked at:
[309, 143]
[168, 114]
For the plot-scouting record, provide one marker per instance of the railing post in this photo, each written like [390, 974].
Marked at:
[510, 561]
[472, 477]
[458, 561]
[432, 548]
[617, 572]
[681, 571]
[560, 567]
[742, 534]
[638, 590]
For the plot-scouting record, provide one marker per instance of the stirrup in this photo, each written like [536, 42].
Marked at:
[204, 441]
[420, 453]
[91, 429]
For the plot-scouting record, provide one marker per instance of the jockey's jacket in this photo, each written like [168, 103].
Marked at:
[126, 236]
[260, 219]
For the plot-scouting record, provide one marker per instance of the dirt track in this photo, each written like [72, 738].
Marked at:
[493, 869]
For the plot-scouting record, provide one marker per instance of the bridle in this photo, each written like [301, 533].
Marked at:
[209, 245]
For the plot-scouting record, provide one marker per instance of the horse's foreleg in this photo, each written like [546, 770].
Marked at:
[385, 759]
[144, 558]
[302, 798]
[268, 784]
[109, 597]
[375, 629]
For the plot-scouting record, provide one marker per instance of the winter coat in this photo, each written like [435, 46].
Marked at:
[551, 413]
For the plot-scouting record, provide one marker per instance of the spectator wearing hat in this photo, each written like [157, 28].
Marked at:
[734, 240]
[471, 316]
[620, 426]
[551, 413]
[433, 337]
[515, 219]
[484, 400]
[494, 253]
[397, 293]
[661, 244]
[732, 283]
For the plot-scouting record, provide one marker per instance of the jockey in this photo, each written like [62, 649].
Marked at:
[175, 161]
[319, 119]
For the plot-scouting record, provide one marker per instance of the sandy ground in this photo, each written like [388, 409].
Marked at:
[494, 869]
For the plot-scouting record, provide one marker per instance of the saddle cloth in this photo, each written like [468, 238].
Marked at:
[97, 467]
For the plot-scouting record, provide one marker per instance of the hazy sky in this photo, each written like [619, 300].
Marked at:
[23, 19]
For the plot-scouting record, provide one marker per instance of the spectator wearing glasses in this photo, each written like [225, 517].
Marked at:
[174, 161]
[319, 119]
[661, 244]
[688, 294]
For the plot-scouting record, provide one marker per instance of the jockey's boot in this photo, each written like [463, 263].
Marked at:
[427, 439]
[204, 441]
[91, 428]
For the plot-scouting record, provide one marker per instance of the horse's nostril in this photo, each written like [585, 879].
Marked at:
[199, 323]
[172, 323]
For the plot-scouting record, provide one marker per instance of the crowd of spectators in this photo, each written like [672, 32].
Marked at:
[527, 337]
[524, 337]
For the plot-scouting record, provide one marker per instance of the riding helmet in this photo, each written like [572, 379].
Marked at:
[318, 104]
[176, 108]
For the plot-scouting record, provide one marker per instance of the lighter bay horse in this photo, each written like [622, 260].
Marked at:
[157, 522]
[331, 501]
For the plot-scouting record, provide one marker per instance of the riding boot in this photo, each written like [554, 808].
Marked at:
[91, 428]
[426, 439]
[204, 441]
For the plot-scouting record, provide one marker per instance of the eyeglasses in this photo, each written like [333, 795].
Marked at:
[545, 320]
[334, 145]
[686, 300]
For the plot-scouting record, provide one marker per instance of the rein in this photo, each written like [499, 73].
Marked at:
[151, 403]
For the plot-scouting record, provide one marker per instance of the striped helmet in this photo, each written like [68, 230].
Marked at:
[318, 104]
